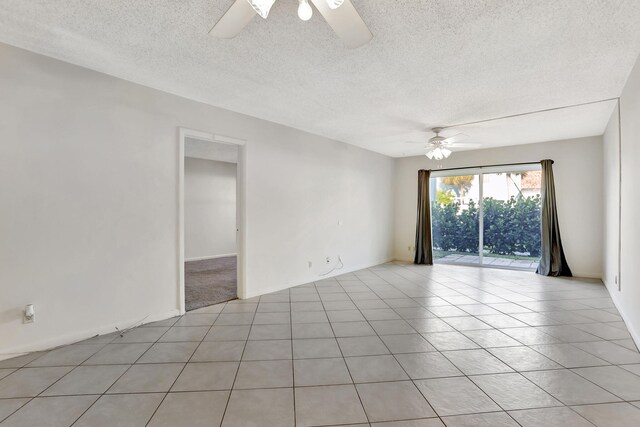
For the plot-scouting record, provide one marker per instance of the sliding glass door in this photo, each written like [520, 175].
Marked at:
[487, 216]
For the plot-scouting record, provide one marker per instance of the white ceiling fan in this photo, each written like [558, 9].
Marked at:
[339, 14]
[438, 147]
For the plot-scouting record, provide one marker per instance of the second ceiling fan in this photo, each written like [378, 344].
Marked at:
[339, 14]
[438, 147]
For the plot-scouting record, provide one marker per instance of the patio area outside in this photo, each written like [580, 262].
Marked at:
[489, 260]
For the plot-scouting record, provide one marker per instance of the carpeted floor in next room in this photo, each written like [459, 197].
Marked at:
[210, 281]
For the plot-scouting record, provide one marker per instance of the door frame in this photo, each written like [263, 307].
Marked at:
[183, 134]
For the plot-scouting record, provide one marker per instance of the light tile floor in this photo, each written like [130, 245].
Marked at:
[488, 260]
[393, 345]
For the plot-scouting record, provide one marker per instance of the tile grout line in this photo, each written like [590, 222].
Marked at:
[226, 406]
[519, 372]
[418, 388]
[353, 383]
[293, 362]
[120, 376]
[389, 350]
[51, 385]
[187, 362]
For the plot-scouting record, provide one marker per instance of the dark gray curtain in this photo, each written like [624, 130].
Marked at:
[552, 260]
[424, 252]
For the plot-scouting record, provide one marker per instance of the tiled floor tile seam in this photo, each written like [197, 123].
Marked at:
[101, 394]
[234, 377]
[516, 339]
[16, 410]
[577, 348]
[454, 305]
[530, 298]
[629, 402]
[349, 371]
[360, 320]
[45, 352]
[293, 370]
[598, 341]
[462, 332]
[426, 307]
[571, 407]
[403, 369]
[134, 363]
[599, 386]
[468, 377]
[294, 386]
[106, 392]
[514, 284]
[568, 407]
[21, 406]
[533, 326]
[51, 385]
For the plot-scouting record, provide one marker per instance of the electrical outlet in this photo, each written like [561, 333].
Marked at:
[310, 265]
[28, 315]
[328, 260]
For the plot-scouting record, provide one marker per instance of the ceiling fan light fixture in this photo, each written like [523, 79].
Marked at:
[334, 4]
[438, 153]
[262, 7]
[305, 12]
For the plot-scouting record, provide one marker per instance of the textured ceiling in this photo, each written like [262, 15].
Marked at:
[431, 62]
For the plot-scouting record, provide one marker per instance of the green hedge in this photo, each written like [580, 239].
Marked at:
[509, 226]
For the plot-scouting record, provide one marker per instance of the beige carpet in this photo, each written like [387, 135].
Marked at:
[210, 281]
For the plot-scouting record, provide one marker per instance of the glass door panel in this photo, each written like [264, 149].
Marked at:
[511, 219]
[455, 218]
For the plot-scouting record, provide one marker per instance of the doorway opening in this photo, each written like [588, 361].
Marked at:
[210, 219]
[487, 216]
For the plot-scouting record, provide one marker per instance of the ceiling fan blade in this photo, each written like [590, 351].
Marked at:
[234, 20]
[455, 138]
[464, 145]
[346, 22]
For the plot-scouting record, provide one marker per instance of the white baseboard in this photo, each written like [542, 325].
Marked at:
[333, 274]
[202, 258]
[615, 297]
[7, 353]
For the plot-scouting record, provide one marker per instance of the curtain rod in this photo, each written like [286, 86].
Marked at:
[487, 166]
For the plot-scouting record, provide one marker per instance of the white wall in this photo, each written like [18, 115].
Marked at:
[624, 135]
[578, 180]
[88, 186]
[209, 208]
[611, 203]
